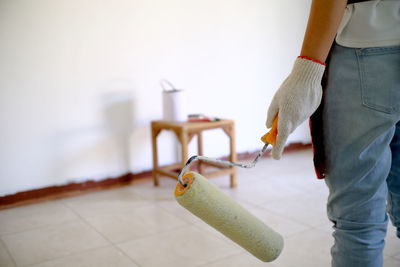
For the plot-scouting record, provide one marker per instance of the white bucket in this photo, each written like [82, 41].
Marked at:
[174, 104]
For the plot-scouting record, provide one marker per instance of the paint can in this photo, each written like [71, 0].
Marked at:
[173, 102]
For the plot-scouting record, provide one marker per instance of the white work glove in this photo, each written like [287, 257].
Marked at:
[296, 100]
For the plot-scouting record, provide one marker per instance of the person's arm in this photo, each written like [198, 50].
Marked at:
[300, 94]
[323, 23]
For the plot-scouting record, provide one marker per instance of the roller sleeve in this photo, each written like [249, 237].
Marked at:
[212, 205]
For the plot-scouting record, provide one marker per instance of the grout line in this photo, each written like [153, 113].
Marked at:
[395, 257]
[67, 255]
[285, 217]
[115, 245]
[8, 252]
[101, 234]
[40, 227]
[77, 220]
[222, 258]
[176, 216]
[154, 234]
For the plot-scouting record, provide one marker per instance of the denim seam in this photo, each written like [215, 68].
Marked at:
[390, 209]
[364, 98]
[360, 74]
[380, 50]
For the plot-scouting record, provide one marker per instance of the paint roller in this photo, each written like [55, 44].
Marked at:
[212, 205]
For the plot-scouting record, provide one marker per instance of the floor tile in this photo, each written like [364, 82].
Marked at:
[40, 244]
[122, 215]
[397, 257]
[101, 257]
[306, 209]
[240, 260]
[392, 246]
[310, 248]
[326, 227]
[92, 203]
[5, 257]
[390, 262]
[174, 208]
[280, 224]
[164, 191]
[119, 225]
[270, 184]
[32, 216]
[261, 192]
[187, 246]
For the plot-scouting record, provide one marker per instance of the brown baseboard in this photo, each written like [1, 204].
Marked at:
[72, 189]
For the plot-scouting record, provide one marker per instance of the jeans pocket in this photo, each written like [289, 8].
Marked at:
[380, 78]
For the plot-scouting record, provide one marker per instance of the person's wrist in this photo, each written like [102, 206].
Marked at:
[307, 70]
[312, 59]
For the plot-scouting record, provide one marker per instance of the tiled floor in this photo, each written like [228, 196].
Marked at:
[140, 225]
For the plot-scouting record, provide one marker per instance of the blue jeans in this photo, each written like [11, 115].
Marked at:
[360, 117]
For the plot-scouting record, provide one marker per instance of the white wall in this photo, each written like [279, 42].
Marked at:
[79, 80]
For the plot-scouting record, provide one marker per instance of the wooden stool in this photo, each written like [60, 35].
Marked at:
[185, 131]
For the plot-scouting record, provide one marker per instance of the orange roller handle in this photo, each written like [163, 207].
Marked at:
[270, 137]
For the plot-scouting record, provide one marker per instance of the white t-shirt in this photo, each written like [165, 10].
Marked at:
[370, 24]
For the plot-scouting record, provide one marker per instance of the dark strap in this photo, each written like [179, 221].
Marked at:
[356, 1]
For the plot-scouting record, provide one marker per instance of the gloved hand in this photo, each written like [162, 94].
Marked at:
[296, 100]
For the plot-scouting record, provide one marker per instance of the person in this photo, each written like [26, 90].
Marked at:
[347, 78]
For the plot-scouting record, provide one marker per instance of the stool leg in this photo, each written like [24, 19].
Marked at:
[184, 139]
[155, 133]
[233, 156]
[200, 149]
